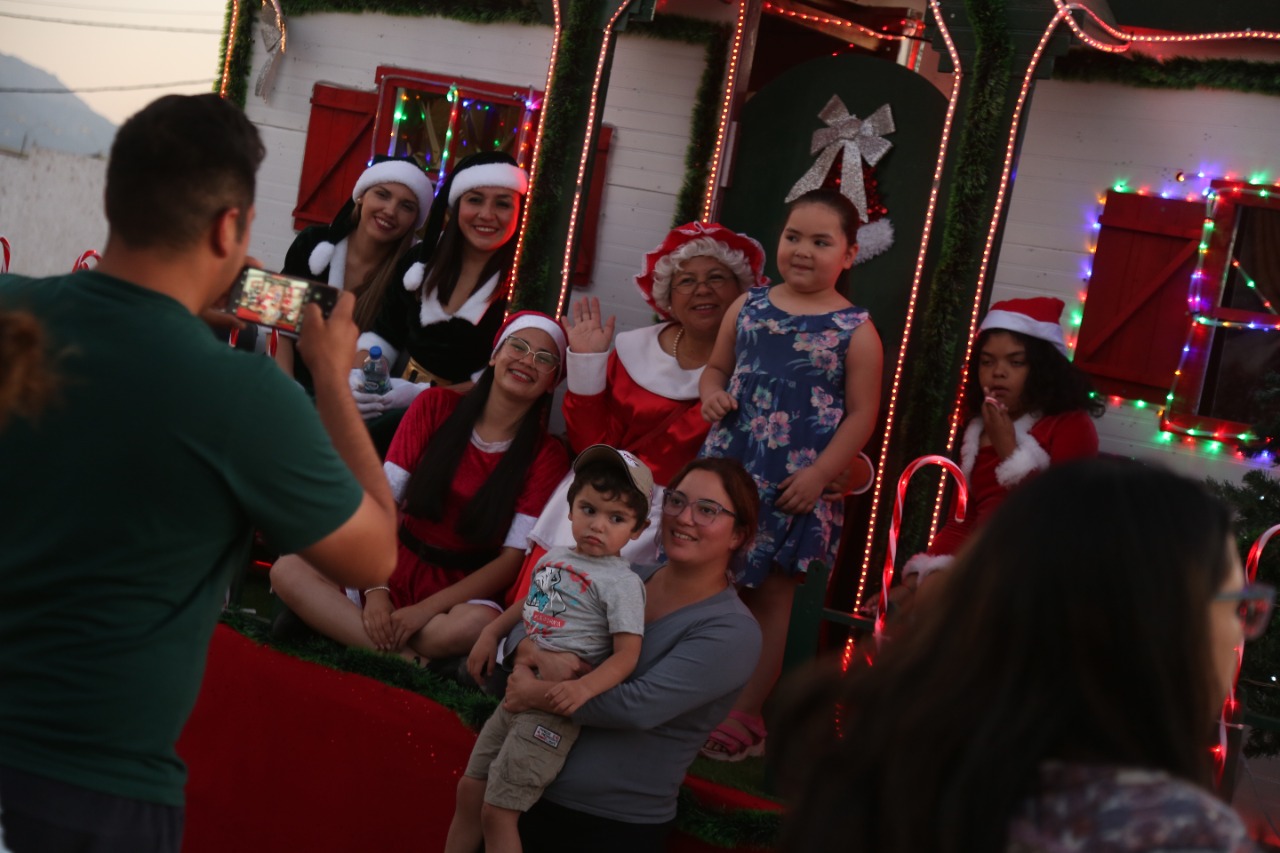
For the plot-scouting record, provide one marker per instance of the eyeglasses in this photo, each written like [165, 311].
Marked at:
[545, 362]
[1253, 605]
[705, 511]
[689, 283]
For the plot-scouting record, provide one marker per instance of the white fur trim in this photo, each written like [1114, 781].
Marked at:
[924, 565]
[588, 372]
[534, 321]
[969, 447]
[518, 534]
[488, 175]
[653, 368]
[472, 310]
[874, 238]
[397, 478]
[1021, 323]
[414, 276]
[368, 340]
[1027, 458]
[403, 173]
[320, 257]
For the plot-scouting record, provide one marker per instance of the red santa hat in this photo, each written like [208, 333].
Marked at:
[743, 256]
[1037, 317]
[542, 322]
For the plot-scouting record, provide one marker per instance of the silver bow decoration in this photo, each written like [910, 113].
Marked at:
[275, 37]
[859, 139]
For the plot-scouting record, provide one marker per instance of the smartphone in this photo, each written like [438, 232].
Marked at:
[275, 300]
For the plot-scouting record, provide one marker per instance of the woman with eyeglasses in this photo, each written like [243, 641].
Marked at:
[1060, 695]
[470, 472]
[618, 788]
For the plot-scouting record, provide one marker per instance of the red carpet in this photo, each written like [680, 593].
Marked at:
[285, 755]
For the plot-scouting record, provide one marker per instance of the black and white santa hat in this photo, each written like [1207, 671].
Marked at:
[384, 170]
[482, 169]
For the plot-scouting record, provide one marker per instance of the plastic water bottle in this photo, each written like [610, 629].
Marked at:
[377, 373]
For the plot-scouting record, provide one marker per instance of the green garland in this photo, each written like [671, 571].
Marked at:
[1092, 66]
[241, 53]
[702, 133]
[937, 346]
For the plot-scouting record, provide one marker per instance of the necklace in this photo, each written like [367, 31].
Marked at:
[675, 345]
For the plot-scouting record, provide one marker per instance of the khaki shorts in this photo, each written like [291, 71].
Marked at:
[520, 755]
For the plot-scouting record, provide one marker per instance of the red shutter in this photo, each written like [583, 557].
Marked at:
[585, 252]
[1135, 316]
[339, 144]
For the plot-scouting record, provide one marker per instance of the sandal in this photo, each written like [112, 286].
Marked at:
[727, 742]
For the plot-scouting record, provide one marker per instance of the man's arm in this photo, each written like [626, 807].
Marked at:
[362, 551]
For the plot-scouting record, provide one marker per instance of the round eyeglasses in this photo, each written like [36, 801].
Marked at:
[705, 511]
[543, 361]
[688, 283]
[1253, 605]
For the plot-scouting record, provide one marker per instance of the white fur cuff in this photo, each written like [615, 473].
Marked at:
[923, 565]
[1027, 458]
[588, 372]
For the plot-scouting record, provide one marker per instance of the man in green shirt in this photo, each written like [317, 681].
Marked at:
[130, 499]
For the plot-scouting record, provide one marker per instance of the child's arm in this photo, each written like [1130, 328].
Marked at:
[484, 654]
[717, 402]
[862, 368]
[568, 696]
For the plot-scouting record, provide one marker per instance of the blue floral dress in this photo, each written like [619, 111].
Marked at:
[789, 384]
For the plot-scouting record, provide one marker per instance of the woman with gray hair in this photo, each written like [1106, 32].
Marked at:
[643, 395]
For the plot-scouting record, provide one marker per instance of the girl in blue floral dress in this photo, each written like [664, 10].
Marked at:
[792, 389]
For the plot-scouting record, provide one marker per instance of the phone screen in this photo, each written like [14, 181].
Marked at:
[275, 300]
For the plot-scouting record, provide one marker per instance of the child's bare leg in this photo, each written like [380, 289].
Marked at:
[770, 603]
[318, 601]
[501, 829]
[452, 634]
[465, 833]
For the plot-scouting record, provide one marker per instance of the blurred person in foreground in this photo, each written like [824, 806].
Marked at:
[135, 491]
[1061, 695]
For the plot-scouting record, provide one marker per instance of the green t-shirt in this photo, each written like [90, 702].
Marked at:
[123, 510]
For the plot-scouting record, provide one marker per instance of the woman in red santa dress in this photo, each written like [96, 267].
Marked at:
[1029, 407]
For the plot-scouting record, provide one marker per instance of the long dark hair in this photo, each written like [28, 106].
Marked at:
[446, 261]
[487, 516]
[1054, 385]
[1075, 627]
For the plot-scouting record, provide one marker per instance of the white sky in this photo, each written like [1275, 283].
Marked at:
[90, 57]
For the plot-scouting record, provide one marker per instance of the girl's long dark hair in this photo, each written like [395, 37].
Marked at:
[1075, 627]
[1054, 385]
[487, 516]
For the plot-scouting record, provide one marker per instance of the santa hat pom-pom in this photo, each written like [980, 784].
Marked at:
[321, 255]
[874, 238]
[414, 275]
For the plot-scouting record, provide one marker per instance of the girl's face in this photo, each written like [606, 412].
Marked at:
[517, 371]
[1003, 370]
[701, 290]
[687, 541]
[1226, 634]
[813, 251]
[487, 217]
[387, 212]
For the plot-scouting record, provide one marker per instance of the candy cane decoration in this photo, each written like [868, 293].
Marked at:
[82, 262]
[890, 559]
[4, 246]
[1231, 707]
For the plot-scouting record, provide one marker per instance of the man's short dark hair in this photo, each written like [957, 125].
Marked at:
[175, 166]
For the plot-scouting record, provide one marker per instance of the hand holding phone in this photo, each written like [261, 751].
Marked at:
[275, 300]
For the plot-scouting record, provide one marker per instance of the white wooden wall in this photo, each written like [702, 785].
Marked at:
[650, 103]
[1081, 139]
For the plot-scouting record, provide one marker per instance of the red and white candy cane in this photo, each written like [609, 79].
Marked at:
[890, 558]
[82, 262]
[1231, 707]
[4, 247]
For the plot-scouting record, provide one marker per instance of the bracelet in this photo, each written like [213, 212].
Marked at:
[374, 588]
